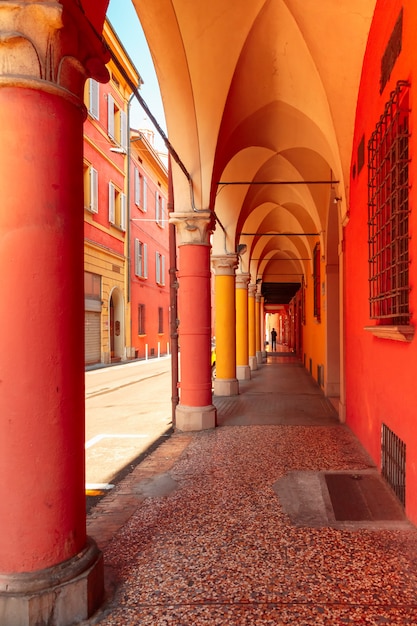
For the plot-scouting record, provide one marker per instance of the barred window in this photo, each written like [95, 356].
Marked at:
[388, 211]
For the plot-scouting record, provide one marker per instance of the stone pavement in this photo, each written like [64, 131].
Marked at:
[277, 516]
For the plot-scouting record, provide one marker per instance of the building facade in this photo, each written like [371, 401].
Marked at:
[149, 246]
[379, 235]
[125, 224]
[106, 140]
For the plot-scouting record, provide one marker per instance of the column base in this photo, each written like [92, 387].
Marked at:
[243, 372]
[189, 418]
[259, 357]
[226, 387]
[61, 595]
[253, 364]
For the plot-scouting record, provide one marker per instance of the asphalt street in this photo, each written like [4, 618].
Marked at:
[128, 413]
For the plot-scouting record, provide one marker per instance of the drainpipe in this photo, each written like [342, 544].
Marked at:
[173, 286]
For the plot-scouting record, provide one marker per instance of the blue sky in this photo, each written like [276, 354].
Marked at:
[125, 22]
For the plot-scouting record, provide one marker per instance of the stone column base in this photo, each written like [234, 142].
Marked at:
[61, 595]
[226, 387]
[243, 372]
[253, 364]
[259, 357]
[195, 417]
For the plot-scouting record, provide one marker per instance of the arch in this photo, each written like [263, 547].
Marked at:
[116, 325]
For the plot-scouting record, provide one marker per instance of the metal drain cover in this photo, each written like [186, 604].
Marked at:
[360, 497]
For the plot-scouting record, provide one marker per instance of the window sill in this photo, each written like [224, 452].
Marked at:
[396, 333]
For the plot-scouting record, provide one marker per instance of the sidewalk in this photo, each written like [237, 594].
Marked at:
[275, 517]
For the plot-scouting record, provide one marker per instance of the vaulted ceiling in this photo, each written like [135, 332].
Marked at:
[260, 99]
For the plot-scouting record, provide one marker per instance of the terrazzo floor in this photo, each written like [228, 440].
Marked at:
[198, 535]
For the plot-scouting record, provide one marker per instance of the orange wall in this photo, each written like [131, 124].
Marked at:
[380, 373]
[313, 330]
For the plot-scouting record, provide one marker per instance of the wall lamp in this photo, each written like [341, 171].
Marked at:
[241, 248]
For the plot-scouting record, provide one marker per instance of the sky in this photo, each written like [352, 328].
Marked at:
[125, 22]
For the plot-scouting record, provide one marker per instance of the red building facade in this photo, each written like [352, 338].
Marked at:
[149, 248]
[379, 238]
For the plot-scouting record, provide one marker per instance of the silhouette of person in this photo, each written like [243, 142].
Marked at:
[273, 339]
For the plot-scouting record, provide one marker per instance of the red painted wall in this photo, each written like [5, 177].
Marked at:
[380, 373]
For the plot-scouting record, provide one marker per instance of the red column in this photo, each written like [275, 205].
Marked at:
[195, 410]
[50, 572]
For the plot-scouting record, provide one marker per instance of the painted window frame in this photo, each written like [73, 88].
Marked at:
[117, 207]
[94, 99]
[141, 259]
[159, 269]
[141, 319]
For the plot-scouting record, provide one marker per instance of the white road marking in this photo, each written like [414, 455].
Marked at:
[98, 486]
[97, 438]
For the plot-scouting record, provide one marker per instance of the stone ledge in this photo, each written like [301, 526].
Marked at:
[397, 333]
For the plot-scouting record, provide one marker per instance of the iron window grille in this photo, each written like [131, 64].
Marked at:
[388, 211]
[393, 461]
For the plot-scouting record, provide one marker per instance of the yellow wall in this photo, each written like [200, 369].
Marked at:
[313, 330]
[104, 263]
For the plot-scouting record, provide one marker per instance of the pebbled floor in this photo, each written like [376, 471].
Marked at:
[197, 534]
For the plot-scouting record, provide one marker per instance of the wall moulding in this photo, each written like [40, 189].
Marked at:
[396, 333]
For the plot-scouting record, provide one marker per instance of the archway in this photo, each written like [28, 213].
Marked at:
[116, 326]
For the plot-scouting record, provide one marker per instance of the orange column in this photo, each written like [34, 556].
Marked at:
[195, 410]
[242, 348]
[253, 364]
[258, 326]
[50, 572]
[226, 383]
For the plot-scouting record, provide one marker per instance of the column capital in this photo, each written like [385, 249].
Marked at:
[252, 290]
[49, 47]
[242, 280]
[225, 265]
[192, 227]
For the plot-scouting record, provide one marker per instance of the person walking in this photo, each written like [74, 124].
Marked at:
[273, 340]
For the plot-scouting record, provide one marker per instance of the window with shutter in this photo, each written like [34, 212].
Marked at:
[159, 268]
[93, 193]
[141, 319]
[123, 211]
[112, 198]
[158, 208]
[162, 270]
[123, 129]
[137, 186]
[110, 116]
[93, 105]
[145, 260]
[141, 264]
[145, 193]
[137, 257]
